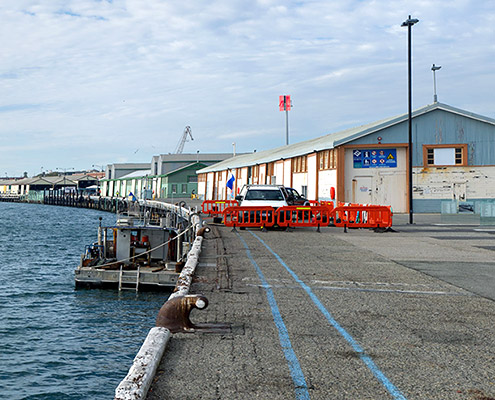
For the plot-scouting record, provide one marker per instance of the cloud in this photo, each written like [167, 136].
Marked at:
[18, 107]
[120, 73]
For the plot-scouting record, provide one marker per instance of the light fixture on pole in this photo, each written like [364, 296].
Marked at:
[435, 68]
[409, 23]
[65, 173]
[285, 105]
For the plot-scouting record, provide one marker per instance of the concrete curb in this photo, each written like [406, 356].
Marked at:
[140, 376]
[136, 384]
[185, 277]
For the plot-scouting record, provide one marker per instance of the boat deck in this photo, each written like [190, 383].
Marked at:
[151, 278]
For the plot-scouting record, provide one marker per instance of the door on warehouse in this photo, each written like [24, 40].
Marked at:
[362, 190]
[391, 190]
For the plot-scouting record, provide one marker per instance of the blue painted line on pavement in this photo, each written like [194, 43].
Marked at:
[392, 389]
[300, 386]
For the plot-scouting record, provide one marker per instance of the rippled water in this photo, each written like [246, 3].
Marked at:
[56, 342]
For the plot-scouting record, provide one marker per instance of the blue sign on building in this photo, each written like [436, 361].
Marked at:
[375, 158]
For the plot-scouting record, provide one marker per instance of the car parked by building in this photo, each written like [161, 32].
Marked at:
[262, 195]
[269, 195]
[294, 198]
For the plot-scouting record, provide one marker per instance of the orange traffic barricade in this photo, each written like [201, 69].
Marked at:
[363, 216]
[328, 204]
[299, 216]
[249, 217]
[217, 207]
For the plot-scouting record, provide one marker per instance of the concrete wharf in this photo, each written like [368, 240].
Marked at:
[334, 315]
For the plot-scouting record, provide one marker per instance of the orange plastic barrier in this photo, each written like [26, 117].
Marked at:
[350, 216]
[217, 207]
[249, 217]
[328, 204]
[361, 216]
[313, 203]
[342, 204]
[294, 216]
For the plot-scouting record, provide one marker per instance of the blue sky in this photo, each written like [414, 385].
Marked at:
[87, 82]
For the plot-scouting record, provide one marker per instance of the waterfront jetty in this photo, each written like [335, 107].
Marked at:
[11, 198]
[72, 199]
[334, 315]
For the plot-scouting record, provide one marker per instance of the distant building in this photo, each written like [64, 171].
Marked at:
[118, 177]
[11, 185]
[116, 171]
[36, 186]
[453, 161]
[167, 176]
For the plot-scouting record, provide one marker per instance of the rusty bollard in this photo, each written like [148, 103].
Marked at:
[174, 314]
[203, 230]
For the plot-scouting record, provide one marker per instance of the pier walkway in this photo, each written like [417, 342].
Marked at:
[334, 315]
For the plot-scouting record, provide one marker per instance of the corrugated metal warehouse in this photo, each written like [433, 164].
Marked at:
[453, 159]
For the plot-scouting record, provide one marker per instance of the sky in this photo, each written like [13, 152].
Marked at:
[88, 83]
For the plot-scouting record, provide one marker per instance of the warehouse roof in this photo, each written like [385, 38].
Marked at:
[193, 157]
[331, 140]
[129, 165]
[140, 173]
[184, 167]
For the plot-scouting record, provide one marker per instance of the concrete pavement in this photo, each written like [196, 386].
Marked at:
[334, 315]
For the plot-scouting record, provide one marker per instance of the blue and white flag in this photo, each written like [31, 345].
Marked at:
[230, 182]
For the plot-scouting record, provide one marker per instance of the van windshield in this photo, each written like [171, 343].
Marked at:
[260, 194]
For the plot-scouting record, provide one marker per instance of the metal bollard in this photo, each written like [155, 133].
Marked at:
[174, 315]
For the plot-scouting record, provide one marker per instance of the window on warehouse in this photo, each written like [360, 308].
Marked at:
[444, 155]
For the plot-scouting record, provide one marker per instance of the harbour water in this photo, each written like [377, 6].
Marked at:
[56, 342]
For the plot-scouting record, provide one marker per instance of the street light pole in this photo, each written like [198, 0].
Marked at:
[409, 23]
[65, 173]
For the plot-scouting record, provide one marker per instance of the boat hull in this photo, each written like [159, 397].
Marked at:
[90, 277]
